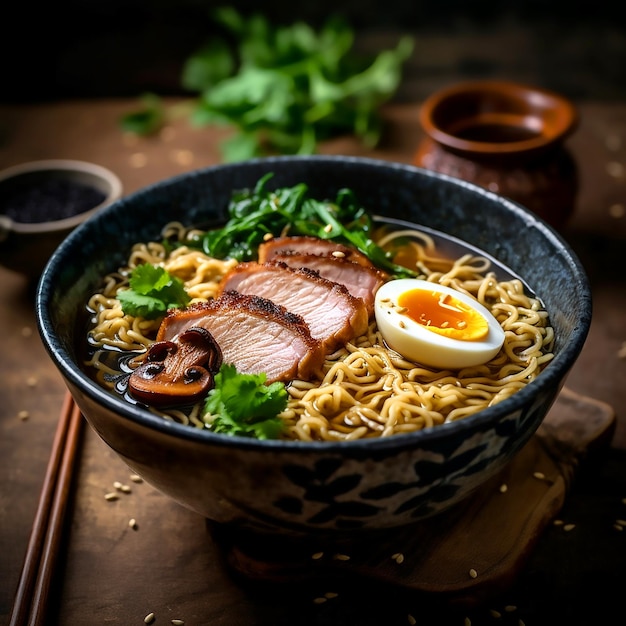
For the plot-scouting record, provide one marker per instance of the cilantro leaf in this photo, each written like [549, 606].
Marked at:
[210, 65]
[242, 404]
[292, 86]
[147, 119]
[282, 89]
[152, 291]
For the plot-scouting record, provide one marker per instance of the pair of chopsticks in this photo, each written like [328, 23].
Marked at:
[31, 599]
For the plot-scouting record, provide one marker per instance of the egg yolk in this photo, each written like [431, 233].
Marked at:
[443, 314]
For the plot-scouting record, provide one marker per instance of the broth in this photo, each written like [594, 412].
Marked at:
[385, 394]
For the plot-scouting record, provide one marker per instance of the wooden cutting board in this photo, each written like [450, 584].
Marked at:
[468, 553]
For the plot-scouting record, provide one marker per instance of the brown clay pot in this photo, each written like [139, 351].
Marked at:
[506, 137]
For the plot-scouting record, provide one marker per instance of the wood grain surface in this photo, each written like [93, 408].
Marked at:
[170, 562]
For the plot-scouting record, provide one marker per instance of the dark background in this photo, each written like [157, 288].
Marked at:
[121, 48]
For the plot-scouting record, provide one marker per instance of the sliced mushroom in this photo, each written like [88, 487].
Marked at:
[177, 372]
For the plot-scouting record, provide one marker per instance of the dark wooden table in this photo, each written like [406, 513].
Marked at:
[169, 563]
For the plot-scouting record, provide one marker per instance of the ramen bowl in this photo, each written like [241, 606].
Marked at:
[320, 487]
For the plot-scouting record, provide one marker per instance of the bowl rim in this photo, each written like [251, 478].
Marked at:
[111, 180]
[77, 378]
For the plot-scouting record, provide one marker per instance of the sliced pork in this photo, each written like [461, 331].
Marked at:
[360, 280]
[333, 315]
[254, 334]
[282, 246]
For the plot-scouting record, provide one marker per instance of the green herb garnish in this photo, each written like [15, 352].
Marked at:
[283, 89]
[147, 119]
[242, 404]
[253, 213]
[152, 291]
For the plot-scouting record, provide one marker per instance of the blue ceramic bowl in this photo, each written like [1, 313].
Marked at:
[302, 487]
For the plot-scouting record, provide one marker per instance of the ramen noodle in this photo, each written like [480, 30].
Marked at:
[367, 390]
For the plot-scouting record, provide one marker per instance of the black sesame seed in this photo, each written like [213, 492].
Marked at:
[48, 200]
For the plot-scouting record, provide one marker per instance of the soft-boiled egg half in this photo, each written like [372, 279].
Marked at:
[435, 325]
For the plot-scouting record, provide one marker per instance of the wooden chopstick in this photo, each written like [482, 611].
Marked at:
[31, 598]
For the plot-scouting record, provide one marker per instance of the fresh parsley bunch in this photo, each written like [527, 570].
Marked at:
[283, 89]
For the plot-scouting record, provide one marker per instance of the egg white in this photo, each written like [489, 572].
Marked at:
[416, 343]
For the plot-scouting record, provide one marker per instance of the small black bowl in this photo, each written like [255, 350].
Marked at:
[297, 487]
[41, 202]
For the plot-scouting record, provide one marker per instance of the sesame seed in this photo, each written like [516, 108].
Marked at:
[136, 478]
[521, 623]
[330, 595]
[467, 621]
[23, 415]
[495, 614]
[125, 489]
[133, 523]
[618, 527]
[539, 475]
[473, 573]
[621, 522]
[504, 488]
[167, 133]
[148, 619]
[178, 622]
[328, 228]
[317, 555]
[110, 496]
[339, 254]
[569, 527]
[182, 157]
[268, 236]
[558, 522]
[341, 557]
[31, 381]
[411, 620]
[138, 160]
[510, 608]
[319, 600]
[401, 324]
[117, 484]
